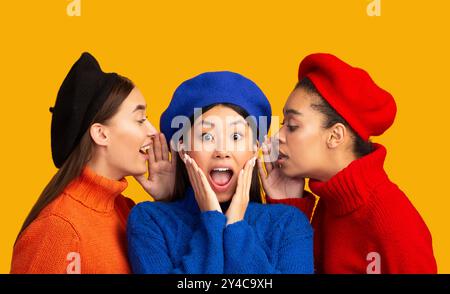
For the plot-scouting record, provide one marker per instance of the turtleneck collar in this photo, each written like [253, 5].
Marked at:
[95, 191]
[189, 202]
[350, 188]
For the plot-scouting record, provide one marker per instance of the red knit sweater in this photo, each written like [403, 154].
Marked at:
[81, 231]
[364, 223]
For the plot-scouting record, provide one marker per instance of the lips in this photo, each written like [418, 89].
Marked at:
[144, 149]
[220, 178]
[281, 157]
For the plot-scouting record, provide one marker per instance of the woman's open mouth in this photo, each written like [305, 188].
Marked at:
[144, 150]
[220, 178]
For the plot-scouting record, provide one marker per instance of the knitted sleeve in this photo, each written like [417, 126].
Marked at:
[149, 252]
[50, 245]
[412, 255]
[244, 252]
[305, 204]
[402, 240]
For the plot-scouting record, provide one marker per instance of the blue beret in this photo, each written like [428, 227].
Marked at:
[214, 88]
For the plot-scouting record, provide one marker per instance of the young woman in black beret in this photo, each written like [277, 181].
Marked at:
[100, 134]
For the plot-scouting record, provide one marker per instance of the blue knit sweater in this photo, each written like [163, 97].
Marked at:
[177, 237]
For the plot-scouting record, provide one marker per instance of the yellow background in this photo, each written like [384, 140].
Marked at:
[158, 44]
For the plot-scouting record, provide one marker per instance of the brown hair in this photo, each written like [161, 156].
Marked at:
[82, 153]
[360, 147]
[181, 175]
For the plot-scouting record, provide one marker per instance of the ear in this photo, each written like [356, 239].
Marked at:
[99, 134]
[336, 135]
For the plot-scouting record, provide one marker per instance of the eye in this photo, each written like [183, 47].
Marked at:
[142, 120]
[236, 136]
[207, 137]
[291, 128]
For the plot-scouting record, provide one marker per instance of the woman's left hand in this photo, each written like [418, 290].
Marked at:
[276, 185]
[161, 170]
[239, 203]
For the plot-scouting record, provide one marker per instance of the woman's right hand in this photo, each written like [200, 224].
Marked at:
[160, 181]
[205, 196]
[276, 185]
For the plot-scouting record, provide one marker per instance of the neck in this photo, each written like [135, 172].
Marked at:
[224, 205]
[101, 167]
[95, 191]
[351, 187]
[336, 162]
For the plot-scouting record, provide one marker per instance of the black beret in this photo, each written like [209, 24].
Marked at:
[82, 94]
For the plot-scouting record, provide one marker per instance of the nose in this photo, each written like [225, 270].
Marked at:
[151, 130]
[221, 154]
[281, 135]
[220, 149]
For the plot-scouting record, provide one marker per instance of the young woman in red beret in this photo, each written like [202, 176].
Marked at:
[363, 222]
[99, 133]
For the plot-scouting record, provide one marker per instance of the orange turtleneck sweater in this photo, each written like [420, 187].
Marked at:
[81, 231]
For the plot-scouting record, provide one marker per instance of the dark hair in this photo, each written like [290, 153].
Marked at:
[181, 175]
[82, 153]
[360, 147]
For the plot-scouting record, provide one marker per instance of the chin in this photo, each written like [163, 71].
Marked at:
[224, 197]
[290, 172]
[136, 171]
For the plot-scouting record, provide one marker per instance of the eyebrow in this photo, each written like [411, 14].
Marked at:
[236, 122]
[212, 125]
[291, 111]
[207, 123]
[140, 107]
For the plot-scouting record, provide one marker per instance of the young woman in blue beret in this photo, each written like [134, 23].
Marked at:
[214, 222]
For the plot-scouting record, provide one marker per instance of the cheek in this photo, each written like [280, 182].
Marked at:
[201, 158]
[127, 139]
[303, 142]
[242, 158]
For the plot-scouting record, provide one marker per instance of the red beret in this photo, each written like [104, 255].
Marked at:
[368, 109]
